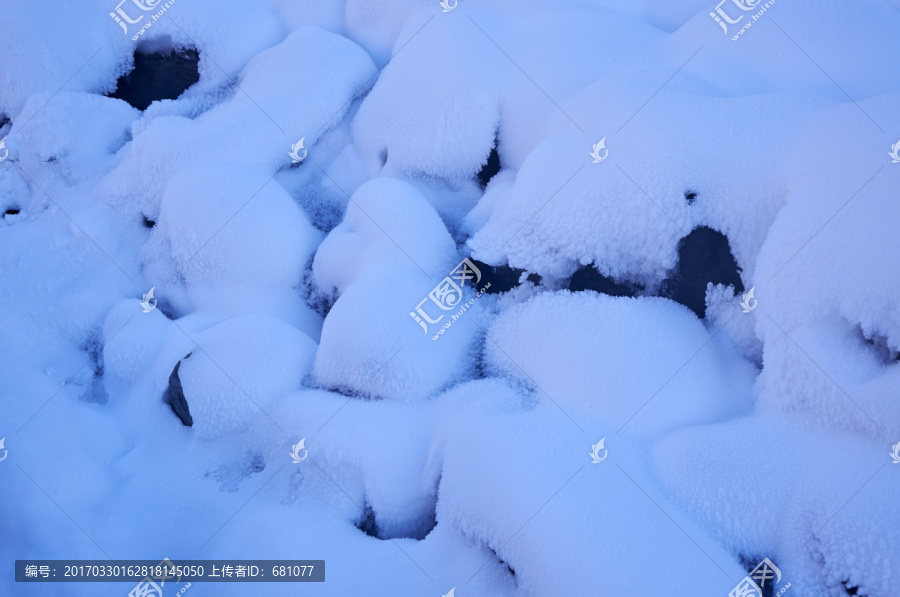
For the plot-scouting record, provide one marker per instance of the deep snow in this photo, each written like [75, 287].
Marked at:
[294, 292]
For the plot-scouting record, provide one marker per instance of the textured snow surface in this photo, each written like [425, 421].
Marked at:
[546, 440]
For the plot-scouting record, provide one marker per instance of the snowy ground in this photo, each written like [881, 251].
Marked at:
[563, 298]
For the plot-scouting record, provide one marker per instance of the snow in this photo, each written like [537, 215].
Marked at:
[386, 223]
[654, 337]
[371, 346]
[454, 456]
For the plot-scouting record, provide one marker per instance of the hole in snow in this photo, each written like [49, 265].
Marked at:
[367, 524]
[417, 526]
[879, 344]
[690, 195]
[11, 212]
[502, 277]
[148, 223]
[704, 256]
[490, 168]
[159, 75]
[588, 278]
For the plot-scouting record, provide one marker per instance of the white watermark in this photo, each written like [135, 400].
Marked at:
[447, 296]
[124, 20]
[595, 452]
[6, 452]
[295, 451]
[754, 584]
[164, 571]
[296, 157]
[145, 302]
[894, 153]
[748, 303]
[895, 454]
[722, 17]
[448, 5]
[6, 151]
[596, 148]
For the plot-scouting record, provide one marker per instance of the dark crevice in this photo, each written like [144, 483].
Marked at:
[11, 212]
[421, 527]
[174, 397]
[502, 277]
[503, 562]
[588, 278]
[491, 167]
[690, 195]
[367, 523]
[749, 562]
[158, 76]
[879, 345]
[148, 223]
[704, 256]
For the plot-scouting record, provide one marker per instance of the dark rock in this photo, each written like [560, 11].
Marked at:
[158, 76]
[588, 278]
[174, 397]
[690, 195]
[148, 223]
[490, 168]
[502, 278]
[704, 256]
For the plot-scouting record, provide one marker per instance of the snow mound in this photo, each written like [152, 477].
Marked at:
[761, 485]
[488, 426]
[564, 211]
[828, 314]
[370, 345]
[387, 223]
[645, 364]
[222, 229]
[240, 369]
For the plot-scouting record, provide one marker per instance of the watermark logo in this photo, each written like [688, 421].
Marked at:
[145, 302]
[894, 153]
[597, 147]
[5, 151]
[124, 20]
[6, 452]
[723, 19]
[296, 158]
[452, 591]
[754, 584]
[595, 452]
[295, 451]
[447, 296]
[749, 303]
[448, 5]
[163, 571]
[895, 454]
